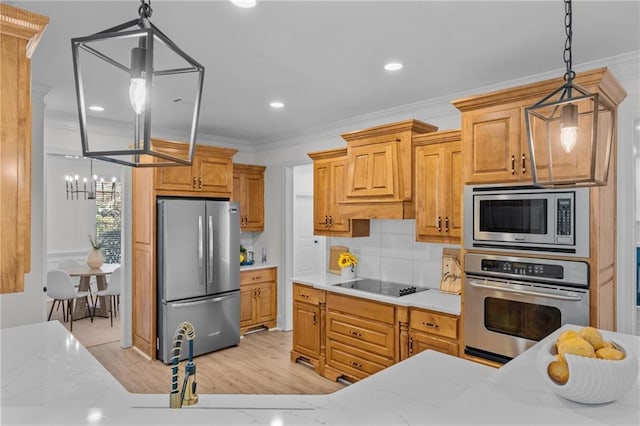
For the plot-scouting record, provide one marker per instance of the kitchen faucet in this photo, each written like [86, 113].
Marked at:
[187, 396]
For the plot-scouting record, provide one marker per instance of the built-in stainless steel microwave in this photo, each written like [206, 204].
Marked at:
[552, 221]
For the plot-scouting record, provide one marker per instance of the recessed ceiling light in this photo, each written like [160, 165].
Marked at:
[276, 104]
[96, 108]
[244, 3]
[393, 66]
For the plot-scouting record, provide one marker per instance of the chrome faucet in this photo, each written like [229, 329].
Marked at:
[187, 396]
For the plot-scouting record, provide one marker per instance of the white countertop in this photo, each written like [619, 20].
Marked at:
[257, 266]
[431, 299]
[48, 378]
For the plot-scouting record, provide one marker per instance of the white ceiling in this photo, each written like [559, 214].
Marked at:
[325, 59]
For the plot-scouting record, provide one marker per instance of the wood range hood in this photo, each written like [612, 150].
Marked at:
[379, 175]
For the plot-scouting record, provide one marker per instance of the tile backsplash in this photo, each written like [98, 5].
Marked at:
[391, 253]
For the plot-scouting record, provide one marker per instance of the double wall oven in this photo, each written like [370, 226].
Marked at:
[521, 281]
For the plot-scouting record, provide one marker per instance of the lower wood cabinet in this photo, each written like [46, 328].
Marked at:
[361, 337]
[308, 326]
[258, 299]
[435, 331]
[352, 337]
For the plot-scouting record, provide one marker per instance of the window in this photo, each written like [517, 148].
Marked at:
[108, 214]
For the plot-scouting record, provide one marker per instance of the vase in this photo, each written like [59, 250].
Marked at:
[348, 272]
[95, 259]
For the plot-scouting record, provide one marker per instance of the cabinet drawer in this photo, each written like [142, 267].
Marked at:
[433, 323]
[421, 342]
[370, 336]
[257, 276]
[303, 293]
[354, 362]
[361, 307]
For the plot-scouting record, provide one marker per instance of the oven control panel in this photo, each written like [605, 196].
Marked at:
[541, 270]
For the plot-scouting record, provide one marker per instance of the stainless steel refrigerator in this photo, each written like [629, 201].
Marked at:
[198, 273]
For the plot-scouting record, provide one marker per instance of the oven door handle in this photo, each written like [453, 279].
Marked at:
[474, 283]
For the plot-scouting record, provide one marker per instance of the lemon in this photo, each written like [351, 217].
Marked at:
[576, 346]
[609, 353]
[591, 335]
[566, 335]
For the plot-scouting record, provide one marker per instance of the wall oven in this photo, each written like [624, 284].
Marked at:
[513, 302]
[527, 218]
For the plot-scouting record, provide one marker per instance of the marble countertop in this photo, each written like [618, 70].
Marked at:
[431, 299]
[48, 378]
[257, 265]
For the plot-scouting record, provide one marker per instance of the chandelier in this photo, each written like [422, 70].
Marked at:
[89, 188]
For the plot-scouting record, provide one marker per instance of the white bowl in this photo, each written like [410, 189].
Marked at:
[591, 380]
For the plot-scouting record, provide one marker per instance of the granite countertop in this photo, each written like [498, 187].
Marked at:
[431, 299]
[49, 378]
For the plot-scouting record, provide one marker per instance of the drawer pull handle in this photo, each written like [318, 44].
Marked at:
[446, 224]
[524, 168]
[306, 296]
[194, 183]
[356, 364]
[314, 319]
[430, 324]
[411, 345]
[513, 165]
[355, 333]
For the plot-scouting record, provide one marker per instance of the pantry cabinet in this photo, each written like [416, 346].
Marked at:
[328, 190]
[439, 183]
[258, 299]
[433, 330]
[20, 32]
[210, 174]
[248, 190]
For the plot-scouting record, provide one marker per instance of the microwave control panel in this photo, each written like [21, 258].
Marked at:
[563, 217]
[523, 268]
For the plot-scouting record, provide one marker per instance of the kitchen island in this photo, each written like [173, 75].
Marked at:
[48, 378]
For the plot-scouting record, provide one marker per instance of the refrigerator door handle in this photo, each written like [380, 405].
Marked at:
[197, 302]
[210, 254]
[200, 249]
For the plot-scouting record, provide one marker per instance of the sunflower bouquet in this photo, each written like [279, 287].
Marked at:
[347, 260]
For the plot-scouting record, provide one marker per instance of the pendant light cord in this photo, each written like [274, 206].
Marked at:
[569, 74]
[145, 10]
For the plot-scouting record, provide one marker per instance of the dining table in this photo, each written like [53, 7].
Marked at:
[85, 273]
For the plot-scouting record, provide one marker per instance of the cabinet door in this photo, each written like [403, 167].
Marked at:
[336, 194]
[176, 178]
[430, 196]
[266, 302]
[253, 200]
[306, 329]
[247, 304]
[215, 175]
[452, 195]
[321, 195]
[372, 171]
[421, 342]
[492, 145]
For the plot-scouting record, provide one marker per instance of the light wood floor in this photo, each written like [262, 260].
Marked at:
[260, 364]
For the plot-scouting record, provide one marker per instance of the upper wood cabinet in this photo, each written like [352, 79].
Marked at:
[379, 171]
[210, 174]
[248, 190]
[20, 32]
[438, 187]
[494, 135]
[328, 189]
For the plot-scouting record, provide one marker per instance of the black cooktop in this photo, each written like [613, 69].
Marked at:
[385, 288]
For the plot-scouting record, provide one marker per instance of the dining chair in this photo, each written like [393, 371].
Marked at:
[112, 292]
[60, 288]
